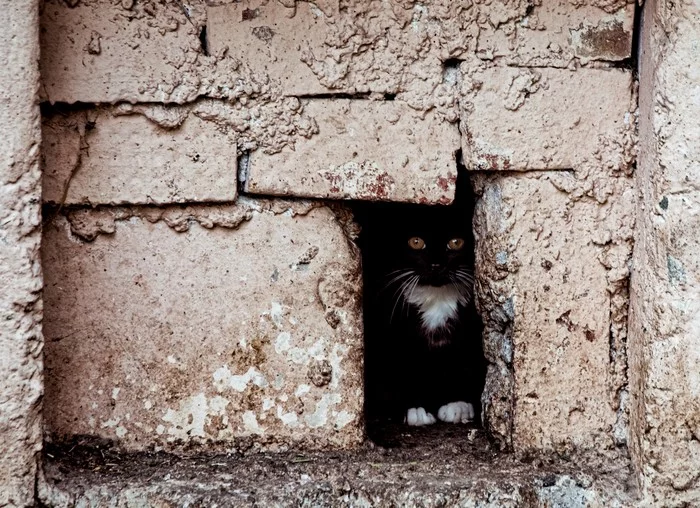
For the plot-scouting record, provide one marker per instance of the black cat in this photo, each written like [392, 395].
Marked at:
[424, 360]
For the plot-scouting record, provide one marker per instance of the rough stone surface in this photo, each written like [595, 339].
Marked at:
[522, 119]
[389, 48]
[665, 299]
[350, 156]
[555, 34]
[444, 466]
[172, 327]
[104, 51]
[112, 156]
[302, 48]
[21, 341]
[277, 34]
[552, 286]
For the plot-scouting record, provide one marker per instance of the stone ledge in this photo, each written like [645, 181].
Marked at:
[439, 466]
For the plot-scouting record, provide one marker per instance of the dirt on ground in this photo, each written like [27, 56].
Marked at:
[443, 465]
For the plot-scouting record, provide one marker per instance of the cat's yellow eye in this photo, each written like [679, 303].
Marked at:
[455, 244]
[416, 243]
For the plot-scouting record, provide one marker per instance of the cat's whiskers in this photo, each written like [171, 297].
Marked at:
[408, 294]
[463, 281]
[465, 276]
[464, 292]
[405, 278]
[400, 293]
[403, 274]
[468, 274]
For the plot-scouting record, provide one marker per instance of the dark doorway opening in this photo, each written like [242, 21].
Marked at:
[414, 355]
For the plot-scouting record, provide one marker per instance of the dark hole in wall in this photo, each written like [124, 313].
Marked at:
[203, 41]
[406, 366]
[452, 63]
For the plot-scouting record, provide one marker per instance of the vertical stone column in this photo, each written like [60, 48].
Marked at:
[20, 269]
[664, 339]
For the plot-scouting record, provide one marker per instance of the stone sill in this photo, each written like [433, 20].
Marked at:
[440, 466]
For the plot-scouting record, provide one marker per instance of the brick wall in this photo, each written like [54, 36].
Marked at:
[187, 302]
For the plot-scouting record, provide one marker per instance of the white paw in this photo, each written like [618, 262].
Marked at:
[456, 412]
[418, 416]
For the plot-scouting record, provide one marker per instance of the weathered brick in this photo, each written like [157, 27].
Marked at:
[373, 150]
[545, 268]
[554, 33]
[222, 325]
[525, 119]
[96, 157]
[162, 52]
[272, 38]
[393, 48]
[103, 51]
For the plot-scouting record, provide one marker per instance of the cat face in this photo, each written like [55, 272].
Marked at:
[436, 256]
[429, 247]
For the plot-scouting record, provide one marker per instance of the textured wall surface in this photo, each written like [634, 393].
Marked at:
[552, 152]
[665, 304]
[184, 310]
[552, 273]
[198, 103]
[20, 272]
[220, 325]
[136, 155]
[348, 158]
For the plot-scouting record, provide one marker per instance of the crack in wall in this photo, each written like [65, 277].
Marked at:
[88, 223]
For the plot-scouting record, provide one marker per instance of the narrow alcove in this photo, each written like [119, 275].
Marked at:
[390, 280]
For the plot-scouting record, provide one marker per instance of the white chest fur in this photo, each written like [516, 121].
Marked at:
[437, 305]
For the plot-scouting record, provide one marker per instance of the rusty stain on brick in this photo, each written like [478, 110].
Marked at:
[361, 180]
[610, 40]
[590, 334]
[447, 183]
[380, 187]
[493, 162]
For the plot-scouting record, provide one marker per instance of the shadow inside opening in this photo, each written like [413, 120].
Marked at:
[423, 334]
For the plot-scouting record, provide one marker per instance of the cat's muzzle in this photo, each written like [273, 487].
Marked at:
[437, 276]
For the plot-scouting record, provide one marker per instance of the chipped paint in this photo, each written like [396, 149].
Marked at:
[343, 418]
[223, 379]
[189, 419]
[250, 423]
[302, 390]
[338, 354]
[268, 404]
[290, 419]
[299, 355]
[324, 408]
